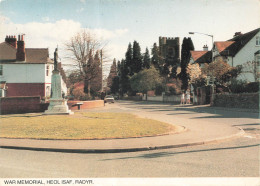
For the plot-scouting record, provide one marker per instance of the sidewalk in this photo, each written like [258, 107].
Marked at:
[196, 133]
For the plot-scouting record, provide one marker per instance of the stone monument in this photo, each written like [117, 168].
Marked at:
[58, 105]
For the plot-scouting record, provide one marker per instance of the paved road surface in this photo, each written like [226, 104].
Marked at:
[233, 158]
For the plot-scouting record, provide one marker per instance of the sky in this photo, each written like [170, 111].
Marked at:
[48, 23]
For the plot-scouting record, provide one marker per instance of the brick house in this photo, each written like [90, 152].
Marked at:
[25, 71]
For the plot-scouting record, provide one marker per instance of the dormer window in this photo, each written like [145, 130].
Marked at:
[257, 40]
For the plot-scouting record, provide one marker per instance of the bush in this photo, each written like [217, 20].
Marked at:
[252, 87]
[79, 94]
[159, 89]
[237, 86]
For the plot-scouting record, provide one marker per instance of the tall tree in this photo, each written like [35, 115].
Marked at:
[137, 63]
[82, 47]
[146, 59]
[124, 78]
[186, 47]
[112, 73]
[155, 57]
[128, 64]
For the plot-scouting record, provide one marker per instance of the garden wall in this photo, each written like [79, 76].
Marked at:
[18, 105]
[243, 100]
[86, 104]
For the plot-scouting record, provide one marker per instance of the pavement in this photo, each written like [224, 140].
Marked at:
[194, 132]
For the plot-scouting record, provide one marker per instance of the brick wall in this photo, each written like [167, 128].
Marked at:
[18, 105]
[25, 89]
[245, 100]
[86, 104]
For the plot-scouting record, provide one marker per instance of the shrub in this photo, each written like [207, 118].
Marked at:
[159, 89]
[79, 94]
[252, 87]
[237, 86]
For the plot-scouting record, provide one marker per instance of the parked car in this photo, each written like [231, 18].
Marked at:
[109, 99]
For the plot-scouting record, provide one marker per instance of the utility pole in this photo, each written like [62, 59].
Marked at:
[101, 55]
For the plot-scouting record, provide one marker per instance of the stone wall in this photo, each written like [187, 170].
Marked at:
[18, 105]
[245, 100]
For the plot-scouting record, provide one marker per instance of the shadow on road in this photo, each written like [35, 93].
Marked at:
[175, 109]
[168, 154]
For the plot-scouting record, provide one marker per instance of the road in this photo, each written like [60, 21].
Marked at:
[233, 158]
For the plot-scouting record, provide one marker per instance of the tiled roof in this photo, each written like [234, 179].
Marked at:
[222, 45]
[37, 55]
[201, 56]
[197, 54]
[33, 55]
[7, 52]
[239, 42]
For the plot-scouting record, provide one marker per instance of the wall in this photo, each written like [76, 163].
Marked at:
[18, 105]
[86, 104]
[173, 98]
[25, 89]
[247, 54]
[245, 100]
[23, 73]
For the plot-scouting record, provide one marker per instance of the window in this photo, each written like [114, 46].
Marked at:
[47, 70]
[1, 70]
[257, 40]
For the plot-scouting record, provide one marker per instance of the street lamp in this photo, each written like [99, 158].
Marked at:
[206, 35]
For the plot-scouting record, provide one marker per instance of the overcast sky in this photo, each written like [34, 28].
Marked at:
[48, 23]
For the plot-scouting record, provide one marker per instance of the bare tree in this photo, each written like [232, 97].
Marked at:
[87, 53]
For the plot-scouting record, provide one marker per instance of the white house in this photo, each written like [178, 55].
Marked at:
[24, 71]
[239, 50]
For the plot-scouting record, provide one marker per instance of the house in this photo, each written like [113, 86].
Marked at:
[25, 71]
[201, 57]
[239, 50]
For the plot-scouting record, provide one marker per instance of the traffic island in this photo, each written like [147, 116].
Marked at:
[82, 126]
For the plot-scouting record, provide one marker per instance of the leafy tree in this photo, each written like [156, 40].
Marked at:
[186, 47]
[137, 63]
[145, 80]
[93, 73]
[146, 59]
[221, 71]
[155, 60]
[124, 78]
[112, 74]
[128, 64]
[115, 85]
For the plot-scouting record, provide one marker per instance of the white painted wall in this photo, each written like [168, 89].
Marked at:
[247, 54]
[23, 73]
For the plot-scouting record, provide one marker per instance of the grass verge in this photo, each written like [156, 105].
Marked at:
[80, 126]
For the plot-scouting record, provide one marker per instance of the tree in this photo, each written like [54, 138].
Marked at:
[115, 85]
[82, 47]
[253, 68]
[146, 59]
[186, 47]
[128, 64]
[155, 57]
[145, 80]
[124, 86]
[137, 63]
[221, 71]
[112, 73]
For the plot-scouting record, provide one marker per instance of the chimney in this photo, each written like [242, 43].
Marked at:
[237, 34]
[11, 40]
[20, 54]
[205, 48]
